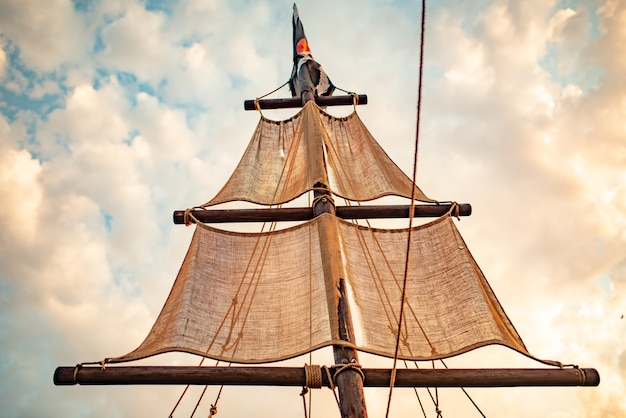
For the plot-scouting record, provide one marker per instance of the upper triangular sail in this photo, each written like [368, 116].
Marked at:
[285, 159]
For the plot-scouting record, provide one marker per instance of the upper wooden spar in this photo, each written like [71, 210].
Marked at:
[306, 213]
[322, 101]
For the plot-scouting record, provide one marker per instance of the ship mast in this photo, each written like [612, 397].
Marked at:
[350, 381]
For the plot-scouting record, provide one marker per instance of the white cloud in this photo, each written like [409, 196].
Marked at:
[20, 192]
[137, 43]
[48, 33]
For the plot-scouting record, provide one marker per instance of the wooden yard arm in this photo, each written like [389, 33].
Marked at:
[295, 376]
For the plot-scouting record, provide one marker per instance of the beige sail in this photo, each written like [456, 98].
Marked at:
[262, 297]
[287, 158]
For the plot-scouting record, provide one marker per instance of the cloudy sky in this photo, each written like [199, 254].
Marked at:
[115, 113]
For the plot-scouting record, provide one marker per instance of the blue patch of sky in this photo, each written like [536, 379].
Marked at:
[83, 5]
[591, 11]
[193, 38]
[100, 78]
[131, 137]
[98, 43]
[63, 141]
[132, 86]
[165, 6]
[6, 329]
[604, 282]
[17, 88]
[460, 8]
[433, 72]
[5, 291]
[30, 142]
[237, 81]
[124, 280]
[586, 78]
[19, 102]
[594, 31]
[107, 219]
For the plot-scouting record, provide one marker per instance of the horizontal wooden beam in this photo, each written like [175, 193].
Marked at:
[297, 102]
[295, 376]
[306, 213]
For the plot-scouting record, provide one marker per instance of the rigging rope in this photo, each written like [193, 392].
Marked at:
[408, 249]
[467, 394]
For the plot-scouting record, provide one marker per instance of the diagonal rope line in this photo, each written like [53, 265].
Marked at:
[467, 394]
[408, 249]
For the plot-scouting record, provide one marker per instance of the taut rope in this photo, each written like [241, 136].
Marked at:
[408, 248]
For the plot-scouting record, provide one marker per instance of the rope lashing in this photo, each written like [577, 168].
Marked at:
[76, 369]
[355, 100]
[79, 366]
[581, 374]
[188, 217]
[257, 106]
[322, 198]
[331, 382]
[348, 366]
[455, 211]
[313, 374]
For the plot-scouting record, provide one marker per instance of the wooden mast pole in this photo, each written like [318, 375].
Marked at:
[349, 381]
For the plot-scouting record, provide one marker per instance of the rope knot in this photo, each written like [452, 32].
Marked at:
[340, 368]
[188, 217]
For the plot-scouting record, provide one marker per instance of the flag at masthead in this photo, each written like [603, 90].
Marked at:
[308, 78]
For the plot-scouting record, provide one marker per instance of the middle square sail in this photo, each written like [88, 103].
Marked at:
[263, 297]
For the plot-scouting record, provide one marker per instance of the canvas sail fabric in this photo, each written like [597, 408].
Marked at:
[285, 159]
[262, 297]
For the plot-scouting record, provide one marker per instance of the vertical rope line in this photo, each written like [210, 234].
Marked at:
[437, 410]
[308, 195]
[408, 247]
[419, 400]
[213, 409]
